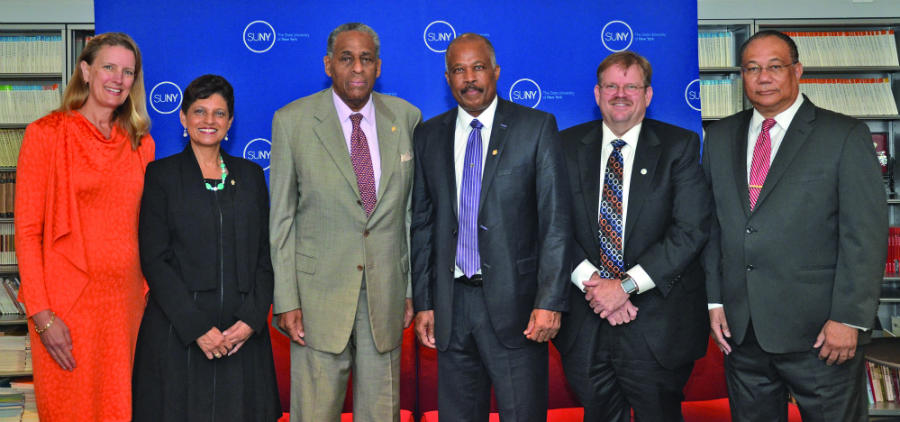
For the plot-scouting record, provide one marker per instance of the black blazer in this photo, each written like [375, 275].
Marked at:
[176, 235]
[666, 228]
[814, 247]
[523, 216]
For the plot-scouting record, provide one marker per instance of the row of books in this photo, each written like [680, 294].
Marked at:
[721, 97]
[9, 291]
[7, 195]
[31, 54]
[883, 384]
[892, 266]
[21, 104]
[15, 354]
[716, 49]
[846, 48]
[854, 97]
[26, 389]
[10, 144]
[12, 405]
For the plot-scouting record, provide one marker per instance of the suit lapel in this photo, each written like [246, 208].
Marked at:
[797, 135]
[388, 145]
[590, 154]
[330, 134]
[194, 192]
[239, 187]
[642, 171]
[446, 140]
[497, 141]
[739, 155]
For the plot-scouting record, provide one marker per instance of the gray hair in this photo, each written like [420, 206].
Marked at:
[470, 36]
[354, 26]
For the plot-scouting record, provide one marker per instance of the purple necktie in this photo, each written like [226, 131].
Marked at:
[362, 164]
[470, 190]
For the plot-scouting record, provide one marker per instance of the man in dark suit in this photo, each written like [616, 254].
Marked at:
[489, 243]
[798, 245]
[642, 175]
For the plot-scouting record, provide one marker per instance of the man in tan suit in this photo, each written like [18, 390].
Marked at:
[341, 173]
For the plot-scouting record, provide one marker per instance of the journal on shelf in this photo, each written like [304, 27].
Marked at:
[31, 54]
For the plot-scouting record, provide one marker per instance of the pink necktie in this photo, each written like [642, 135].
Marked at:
[362, 164]
[760, 166]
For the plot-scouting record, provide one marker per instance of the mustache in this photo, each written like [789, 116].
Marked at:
[472, 86]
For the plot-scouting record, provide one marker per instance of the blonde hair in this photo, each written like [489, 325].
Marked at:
[131, 116]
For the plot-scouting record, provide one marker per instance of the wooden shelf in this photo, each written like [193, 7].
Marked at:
[849, 69]
[884, 409]
[730, 69]
[13, 125]
[10, 319]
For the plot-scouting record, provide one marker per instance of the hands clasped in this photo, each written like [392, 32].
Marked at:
[607, 298]
[217, 344]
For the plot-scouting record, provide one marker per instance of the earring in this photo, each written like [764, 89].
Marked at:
[226, 136]
[184, 135]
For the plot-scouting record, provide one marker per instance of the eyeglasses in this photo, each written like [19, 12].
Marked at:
[630, 89]
[773, 69]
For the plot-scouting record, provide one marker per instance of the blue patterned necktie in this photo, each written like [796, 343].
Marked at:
[611, 263]
[467, 257]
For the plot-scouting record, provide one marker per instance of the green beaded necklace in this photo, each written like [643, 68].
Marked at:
[221, 184]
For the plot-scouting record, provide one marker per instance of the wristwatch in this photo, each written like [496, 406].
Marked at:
[629, 285]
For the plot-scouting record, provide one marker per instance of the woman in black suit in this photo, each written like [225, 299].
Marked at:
[203, 350]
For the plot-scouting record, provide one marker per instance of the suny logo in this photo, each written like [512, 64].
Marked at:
[258, 150]
[616, 36]
[525, 92]
[438, 35]
[259, 36]
[165, 97]
[692, 94]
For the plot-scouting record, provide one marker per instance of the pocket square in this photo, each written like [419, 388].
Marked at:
[406, 156]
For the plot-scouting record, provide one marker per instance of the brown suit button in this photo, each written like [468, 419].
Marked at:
[366, 233]
[358, 202]
[359, 267]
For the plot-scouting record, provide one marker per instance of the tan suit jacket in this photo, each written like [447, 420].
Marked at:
[322, 242]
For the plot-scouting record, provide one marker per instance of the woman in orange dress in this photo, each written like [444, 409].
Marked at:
[79, 183]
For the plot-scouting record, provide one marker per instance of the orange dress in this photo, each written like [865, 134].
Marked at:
[77, 201]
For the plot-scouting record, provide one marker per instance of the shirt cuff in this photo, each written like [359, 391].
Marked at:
[583, 272]
[643, 280]
[710, 306]
[856, 326]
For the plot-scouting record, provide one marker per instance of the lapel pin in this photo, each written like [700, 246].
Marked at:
[503, 125]
[643, 171]
[393, 128]
[494, 152]
[232, 182]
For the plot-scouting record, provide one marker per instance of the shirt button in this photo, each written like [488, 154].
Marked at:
[366, 233]
[359, 267]
[750, 230]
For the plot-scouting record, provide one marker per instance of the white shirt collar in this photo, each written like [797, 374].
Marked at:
[464, 119]
[630, 137]
[783, 119]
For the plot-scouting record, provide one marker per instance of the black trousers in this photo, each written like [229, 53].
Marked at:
[475, 359]
[759, 383]
[612, 371]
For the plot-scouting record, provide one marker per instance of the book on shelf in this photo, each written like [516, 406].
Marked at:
[852, 96]
[31, 54]
[21, 104]
[879, 141]
[846, 48]
[721, 97]
[7, 194]
[716, 49]
[10, 144]
[882, 383]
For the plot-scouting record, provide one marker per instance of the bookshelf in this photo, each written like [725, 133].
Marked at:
[720, 74]
[35, 63]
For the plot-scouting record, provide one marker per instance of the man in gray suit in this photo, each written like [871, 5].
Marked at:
[490, 242]
[797, 250]
[341, 176]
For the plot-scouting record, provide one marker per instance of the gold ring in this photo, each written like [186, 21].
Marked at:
[217, 354]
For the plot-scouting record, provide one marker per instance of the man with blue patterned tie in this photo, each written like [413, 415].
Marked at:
[641, 217]
[490, 232]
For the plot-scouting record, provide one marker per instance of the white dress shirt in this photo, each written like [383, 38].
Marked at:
[460, 139]
[585, 269]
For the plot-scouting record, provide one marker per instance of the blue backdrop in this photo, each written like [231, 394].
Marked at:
[271, 51]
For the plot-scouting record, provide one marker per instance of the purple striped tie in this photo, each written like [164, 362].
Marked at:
[470, 190]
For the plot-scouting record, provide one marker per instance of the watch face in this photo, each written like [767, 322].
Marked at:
[629, 285]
